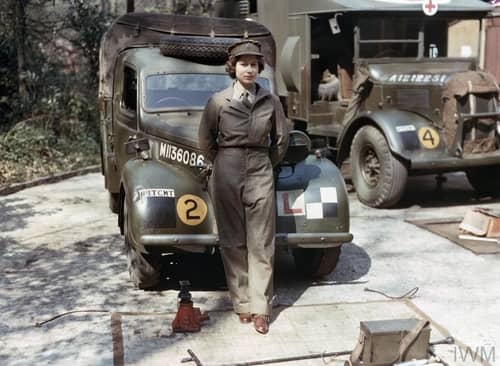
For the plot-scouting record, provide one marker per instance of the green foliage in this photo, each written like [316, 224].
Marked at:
[8, 65]
[32, 149]
[55, 126]
[90, 23]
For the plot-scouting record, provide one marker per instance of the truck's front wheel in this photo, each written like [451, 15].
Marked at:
[378, 177]
[143, 268]
[485, 180]
[316, 262]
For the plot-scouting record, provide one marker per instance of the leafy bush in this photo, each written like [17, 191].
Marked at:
[31, 149]
[55, 125]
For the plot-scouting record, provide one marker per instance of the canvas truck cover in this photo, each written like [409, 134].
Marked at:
[148, 29]
[322, 6]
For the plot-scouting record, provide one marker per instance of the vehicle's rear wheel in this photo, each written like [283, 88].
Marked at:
[378, 176]
[143, 268]
[316, 262]
[485, 180]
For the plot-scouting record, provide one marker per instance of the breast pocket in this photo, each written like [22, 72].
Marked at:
[261, 126]
[233, 122]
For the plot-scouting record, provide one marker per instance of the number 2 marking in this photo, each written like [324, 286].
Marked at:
[191, 209]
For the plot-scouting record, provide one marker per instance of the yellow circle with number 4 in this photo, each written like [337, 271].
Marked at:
[429, 137]
[191, 209]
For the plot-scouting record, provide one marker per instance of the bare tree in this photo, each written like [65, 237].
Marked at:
[130, 6]
[20, 43]
[170, 5]
[207, 6]
[105, 6]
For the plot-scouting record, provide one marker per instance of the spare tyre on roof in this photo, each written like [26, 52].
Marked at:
[201, 39]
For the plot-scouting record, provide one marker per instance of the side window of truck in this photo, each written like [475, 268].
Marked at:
[129, 89]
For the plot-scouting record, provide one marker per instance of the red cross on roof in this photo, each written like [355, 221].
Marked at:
[429, 7]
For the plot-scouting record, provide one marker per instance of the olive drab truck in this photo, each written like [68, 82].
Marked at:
[157, 73]
[408, 95]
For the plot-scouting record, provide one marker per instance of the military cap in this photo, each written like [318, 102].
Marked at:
[246, 47]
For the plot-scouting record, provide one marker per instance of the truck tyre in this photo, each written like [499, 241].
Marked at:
[316, 262]
[485, 180]
[143, 268]
[208, 50]
[114, 202]
[378, 177]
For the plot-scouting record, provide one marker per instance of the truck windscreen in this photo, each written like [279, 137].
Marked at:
[165, 91]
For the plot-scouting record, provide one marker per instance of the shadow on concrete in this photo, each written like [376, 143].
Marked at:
[290, 284]
[39, 281]
[150, 335]
[49, 277]
[205, 272]
[13, 214]
[425, 191]
[353, 264]
[75, 201]
[46, 279]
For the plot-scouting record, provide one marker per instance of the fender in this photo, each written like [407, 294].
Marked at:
[312, 198]
[402, 130]
[165, 199]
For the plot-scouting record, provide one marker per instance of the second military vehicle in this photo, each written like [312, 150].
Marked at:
[411, 97]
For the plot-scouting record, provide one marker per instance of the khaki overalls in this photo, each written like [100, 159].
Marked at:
[244, 143]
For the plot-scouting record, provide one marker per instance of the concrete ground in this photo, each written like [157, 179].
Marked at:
[60, 251]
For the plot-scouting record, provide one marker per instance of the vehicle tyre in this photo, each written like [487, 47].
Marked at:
[143, 268]
[485, 180]
[316, 262]
[209, 50]
[378, 176]
[101, 151]
[114, 202]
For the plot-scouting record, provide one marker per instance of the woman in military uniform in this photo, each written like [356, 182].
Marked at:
[244, 133]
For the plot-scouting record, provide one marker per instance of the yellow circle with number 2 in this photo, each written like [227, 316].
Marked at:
[429, 137]
[191, 209]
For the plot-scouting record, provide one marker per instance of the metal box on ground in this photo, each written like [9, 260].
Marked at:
[384, 342]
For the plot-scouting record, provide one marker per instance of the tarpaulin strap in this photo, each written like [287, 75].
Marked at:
[408, 339]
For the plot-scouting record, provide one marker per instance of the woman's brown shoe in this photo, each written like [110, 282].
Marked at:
[261, 323]
[245, 318]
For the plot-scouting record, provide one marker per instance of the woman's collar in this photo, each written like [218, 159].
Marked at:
[240, 88]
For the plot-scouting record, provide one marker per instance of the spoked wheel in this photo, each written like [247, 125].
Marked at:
[143, 268]
[370, 165]
[378, 176]
[485, 180]
[316, 262]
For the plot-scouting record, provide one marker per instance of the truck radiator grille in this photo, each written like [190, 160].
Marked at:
[479, 134]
